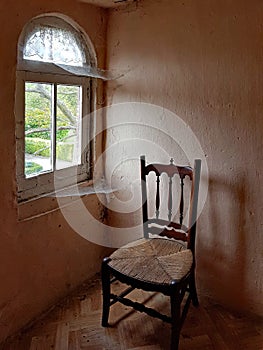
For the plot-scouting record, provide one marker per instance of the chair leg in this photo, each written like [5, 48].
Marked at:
[105, 276]
[193, 291]
[176, 321]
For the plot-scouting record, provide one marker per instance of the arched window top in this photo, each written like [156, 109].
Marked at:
[50, 39]
[53, 45]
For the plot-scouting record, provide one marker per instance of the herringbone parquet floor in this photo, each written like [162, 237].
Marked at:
[75, 324]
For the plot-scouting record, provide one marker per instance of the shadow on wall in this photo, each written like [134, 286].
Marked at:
[222, 250]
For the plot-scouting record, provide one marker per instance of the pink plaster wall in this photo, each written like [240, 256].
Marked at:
[203, 60]
[43, 259]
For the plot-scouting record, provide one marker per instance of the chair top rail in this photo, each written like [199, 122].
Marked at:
[170, 170]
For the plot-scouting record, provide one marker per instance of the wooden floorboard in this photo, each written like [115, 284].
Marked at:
[74, 324]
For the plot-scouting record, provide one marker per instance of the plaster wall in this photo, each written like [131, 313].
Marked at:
[202, 60]
[43, 258]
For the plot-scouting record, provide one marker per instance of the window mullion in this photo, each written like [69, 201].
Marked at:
[54, 125]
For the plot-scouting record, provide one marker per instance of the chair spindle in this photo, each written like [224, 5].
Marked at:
[170, 196]
[182, 202]
[157, 202]
[170, 199]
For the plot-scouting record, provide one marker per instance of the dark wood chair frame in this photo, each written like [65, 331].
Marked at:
[176, 290]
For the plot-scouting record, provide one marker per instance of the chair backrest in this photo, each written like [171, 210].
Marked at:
[173, 226]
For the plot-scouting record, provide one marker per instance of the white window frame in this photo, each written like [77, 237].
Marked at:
[43, 72]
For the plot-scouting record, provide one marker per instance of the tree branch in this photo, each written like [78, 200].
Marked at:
[32, 131]
[40, 90]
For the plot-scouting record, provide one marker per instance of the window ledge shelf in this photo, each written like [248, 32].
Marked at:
[51, 202]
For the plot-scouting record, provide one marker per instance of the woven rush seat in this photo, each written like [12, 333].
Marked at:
[155, 260]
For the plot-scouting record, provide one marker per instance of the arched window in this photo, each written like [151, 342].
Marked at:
[52, 105]
[55, 45]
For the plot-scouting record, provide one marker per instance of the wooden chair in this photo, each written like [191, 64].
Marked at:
[164, 260]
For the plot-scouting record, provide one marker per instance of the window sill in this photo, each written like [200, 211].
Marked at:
[48, 203]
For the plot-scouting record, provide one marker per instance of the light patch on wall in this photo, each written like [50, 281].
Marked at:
[133, 129]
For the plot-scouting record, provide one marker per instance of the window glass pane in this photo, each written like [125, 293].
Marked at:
[68, 134]
[38, 130]
[50, 44]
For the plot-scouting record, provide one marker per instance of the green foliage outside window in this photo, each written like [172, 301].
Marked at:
[42, 148]
[32, 168]
[39, 126]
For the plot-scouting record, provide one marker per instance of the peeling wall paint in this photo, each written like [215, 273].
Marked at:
[203, 60]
